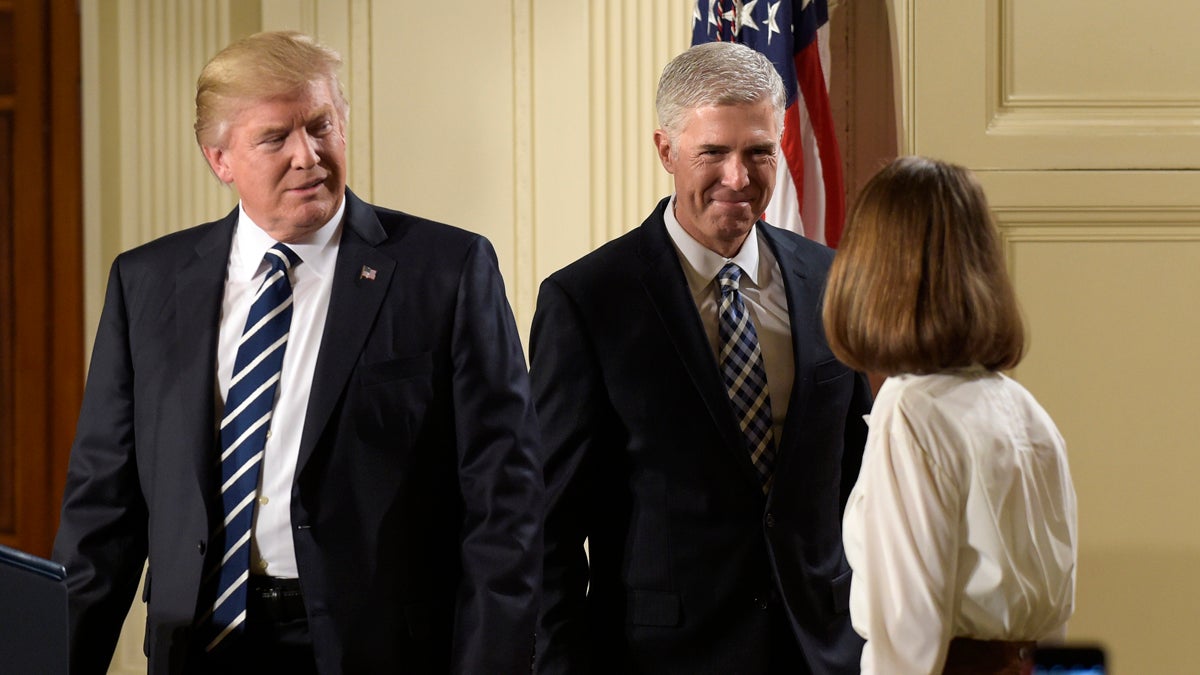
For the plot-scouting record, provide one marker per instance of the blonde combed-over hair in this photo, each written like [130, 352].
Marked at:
[261, 67]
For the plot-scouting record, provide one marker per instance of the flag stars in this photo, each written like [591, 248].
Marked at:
[729, 15]
[746, 17]
[772, 23]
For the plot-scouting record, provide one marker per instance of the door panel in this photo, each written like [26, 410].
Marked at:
[1080, 118]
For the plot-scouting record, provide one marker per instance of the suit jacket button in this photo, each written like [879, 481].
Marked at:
[770, 519]
[200, 546]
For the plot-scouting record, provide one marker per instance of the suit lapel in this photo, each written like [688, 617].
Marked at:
[803, 301]
[353, 304]
[664, 282]
[199, 289]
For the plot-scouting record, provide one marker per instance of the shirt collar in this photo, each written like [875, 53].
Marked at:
[701, 265]
[250, 244]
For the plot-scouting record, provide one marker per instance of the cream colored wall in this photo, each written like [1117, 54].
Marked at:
[1080, 118]
[529, 121]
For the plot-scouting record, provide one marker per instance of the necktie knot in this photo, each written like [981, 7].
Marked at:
[281, 258]
[729, 277]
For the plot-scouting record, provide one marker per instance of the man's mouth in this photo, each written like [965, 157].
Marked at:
[309, 185]
[731, 201]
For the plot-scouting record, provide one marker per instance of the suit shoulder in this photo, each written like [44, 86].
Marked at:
[399, 225]
[810, 252]
[602, 264]
[168, 249]
[610, 262]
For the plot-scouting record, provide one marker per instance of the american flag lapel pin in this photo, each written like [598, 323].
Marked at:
[367, 273]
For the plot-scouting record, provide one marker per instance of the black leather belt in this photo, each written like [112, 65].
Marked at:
[274, 600]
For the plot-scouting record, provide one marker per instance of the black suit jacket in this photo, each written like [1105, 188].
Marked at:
[643, 456]
[418, 492]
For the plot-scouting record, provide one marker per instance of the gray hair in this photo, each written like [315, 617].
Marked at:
[716, 73]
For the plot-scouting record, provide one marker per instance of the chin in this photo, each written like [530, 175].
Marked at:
[303, 222]
[737, 228]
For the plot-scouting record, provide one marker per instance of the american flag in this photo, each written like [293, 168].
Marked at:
[809, 190]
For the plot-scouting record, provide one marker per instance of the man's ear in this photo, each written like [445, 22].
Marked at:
[216, 162]
[662, 142]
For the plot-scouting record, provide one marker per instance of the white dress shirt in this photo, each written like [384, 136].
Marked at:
[962, 523]
[762, 292]
[272, 549]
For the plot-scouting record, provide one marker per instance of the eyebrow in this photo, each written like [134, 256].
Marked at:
[267, 132]
[703, 147]
[325, 112]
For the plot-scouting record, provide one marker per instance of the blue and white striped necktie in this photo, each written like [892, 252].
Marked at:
[744, 374]
[244, 430]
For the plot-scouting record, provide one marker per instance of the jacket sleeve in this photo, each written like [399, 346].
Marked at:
[855, 436]
[102, 531]
[578, 425]
[499, 474]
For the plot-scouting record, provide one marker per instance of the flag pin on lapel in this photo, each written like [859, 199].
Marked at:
[367, 273]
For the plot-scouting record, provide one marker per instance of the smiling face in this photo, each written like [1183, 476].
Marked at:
[287, 158]
[723, 160]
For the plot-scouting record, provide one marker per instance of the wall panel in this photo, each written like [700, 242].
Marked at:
[597, 66]
[1062, 85]
[1080, 120]
[1105, 268]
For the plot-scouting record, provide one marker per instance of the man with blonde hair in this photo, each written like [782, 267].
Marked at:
[390, 521]
[696, 429]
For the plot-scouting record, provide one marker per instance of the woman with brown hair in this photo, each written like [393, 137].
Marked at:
[961, 529]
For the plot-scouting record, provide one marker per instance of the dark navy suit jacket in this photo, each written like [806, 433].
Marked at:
[417, 499]
[644, 457]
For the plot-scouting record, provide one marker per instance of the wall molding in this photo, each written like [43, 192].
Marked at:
[1017, 113]
[630, 43]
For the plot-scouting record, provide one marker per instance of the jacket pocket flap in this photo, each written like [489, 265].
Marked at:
[830, 370]
[396, 369]
[840, 585]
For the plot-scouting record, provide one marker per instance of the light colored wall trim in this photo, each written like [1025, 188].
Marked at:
[596, 65]
[904, 56]
[1034, 91]
[1015, 112]
[630, 43]
[143, 173]
[524, 280]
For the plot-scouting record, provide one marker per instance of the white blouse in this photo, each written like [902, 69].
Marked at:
[962, 522]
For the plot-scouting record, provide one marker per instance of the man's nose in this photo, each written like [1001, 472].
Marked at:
[735, 174]
[303, 150]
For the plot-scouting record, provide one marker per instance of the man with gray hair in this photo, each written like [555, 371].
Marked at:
[697, 432]
[312, 416]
